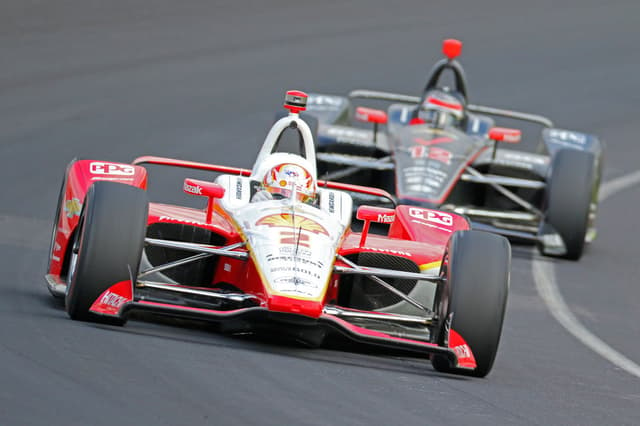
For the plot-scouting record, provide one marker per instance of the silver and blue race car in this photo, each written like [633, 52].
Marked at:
[525, 179]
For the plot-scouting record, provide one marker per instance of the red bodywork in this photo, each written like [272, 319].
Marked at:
[416, 233]
[79, 177]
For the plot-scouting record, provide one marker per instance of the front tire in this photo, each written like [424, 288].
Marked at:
[477, 268]
[569, 195]
[107, 247]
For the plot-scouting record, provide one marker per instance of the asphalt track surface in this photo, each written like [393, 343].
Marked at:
[201, 80]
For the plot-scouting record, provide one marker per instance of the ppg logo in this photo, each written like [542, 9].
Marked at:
[100, 168]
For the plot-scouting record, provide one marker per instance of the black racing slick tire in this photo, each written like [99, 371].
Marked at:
[107, 247]
[569, 195]
[473, 298]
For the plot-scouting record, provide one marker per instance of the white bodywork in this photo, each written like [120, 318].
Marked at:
[292, 244]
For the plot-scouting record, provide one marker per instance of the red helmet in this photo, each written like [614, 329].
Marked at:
[441, 109]
[289, 178]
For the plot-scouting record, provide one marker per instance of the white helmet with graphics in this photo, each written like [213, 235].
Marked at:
[289, 175]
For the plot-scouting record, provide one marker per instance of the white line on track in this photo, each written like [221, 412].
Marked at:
[545, 280]
[608, 189]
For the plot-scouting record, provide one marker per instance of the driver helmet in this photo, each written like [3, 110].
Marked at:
[442, 109]
[289, 178]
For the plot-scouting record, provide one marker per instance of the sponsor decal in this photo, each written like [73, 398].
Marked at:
[434, 216]
[295, 238]
[296, 258]
[436, 172]
[568, 136]
[119, 179]
[350, 135]
[112, 299]
[432, 153]
[192, 189]
[423, 180]
[295, 269]
[386, 218]
[324, 102]
[442, 139]
[56, 246]
[420, 171]
[511, 137]
[523, 161]
[332, 202]
[418, 151]
[462, 351]
[441, 155]
[414, 179]
[294, 284]
[238, 189]
[523, 158]
[420, 188]
[102, 168]
[286, 220]
[414, 169]
[72, 207]
[432, 182]
[289, 250]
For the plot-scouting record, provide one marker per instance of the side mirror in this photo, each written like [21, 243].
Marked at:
[504, 134]
[373, 214]
[204, 189]
[371, 115]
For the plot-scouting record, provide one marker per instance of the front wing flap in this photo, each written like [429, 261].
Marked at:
[118, 301]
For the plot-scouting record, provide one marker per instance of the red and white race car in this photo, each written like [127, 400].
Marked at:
[274, 249]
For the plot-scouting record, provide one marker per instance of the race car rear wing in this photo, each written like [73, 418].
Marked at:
[479, 109]
[532, 118]
[366, 190]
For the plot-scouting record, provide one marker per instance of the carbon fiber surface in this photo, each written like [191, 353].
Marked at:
[359, 292]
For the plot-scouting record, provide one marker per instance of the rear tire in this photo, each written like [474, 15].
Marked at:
[477, 267]
[569, 196]
[107, 247]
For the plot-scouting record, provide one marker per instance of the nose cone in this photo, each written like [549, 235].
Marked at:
[290, 305]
